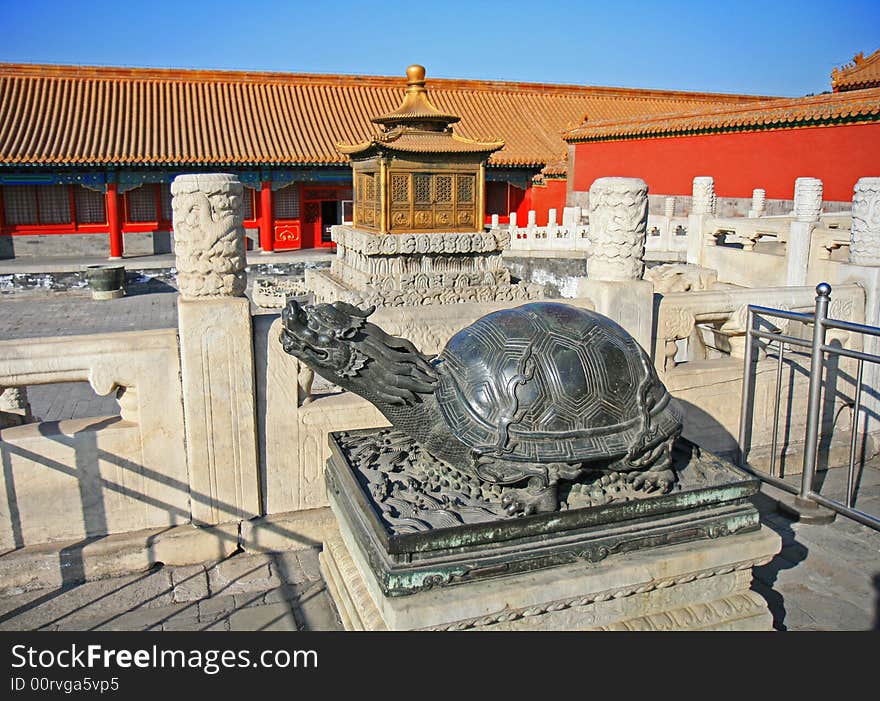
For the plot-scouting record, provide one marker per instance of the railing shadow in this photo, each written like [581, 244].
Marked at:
[91, 485]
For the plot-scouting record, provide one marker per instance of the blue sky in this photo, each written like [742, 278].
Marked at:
[774, 47]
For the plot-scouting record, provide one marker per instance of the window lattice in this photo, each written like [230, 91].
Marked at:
[247, 203]
[422, 188]
[443, 185]
[465, 188]
[400, 188]
[285, 202]
[20, 204]
[165, 201]
[89, 206]
[54, 204]
[369, 188]
[142, 204]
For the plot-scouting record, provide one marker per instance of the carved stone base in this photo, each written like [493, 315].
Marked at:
[701, 585]
[399, 270]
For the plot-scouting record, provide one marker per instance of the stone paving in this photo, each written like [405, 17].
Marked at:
[281, 591]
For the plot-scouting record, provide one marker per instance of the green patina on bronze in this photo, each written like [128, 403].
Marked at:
[711, 501]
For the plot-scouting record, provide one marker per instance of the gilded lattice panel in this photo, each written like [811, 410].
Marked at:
[443, 189]
[399, 188]
[422, 188]
[465, 185]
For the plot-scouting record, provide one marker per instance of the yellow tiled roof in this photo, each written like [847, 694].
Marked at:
[785, 113]
[75, 115]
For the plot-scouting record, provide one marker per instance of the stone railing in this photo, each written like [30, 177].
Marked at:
[699, 354]
[665, 233]
[94, 476]
[570, 235]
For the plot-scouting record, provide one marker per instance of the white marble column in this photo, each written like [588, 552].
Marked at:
[703, 204]
[864, 256]
[759, 202]
[807, 206]
[864, 242]
[15, 409]
[216, 348]
[618, 227]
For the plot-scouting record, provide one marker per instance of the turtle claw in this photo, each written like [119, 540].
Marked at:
[657, 480]
[531, 500]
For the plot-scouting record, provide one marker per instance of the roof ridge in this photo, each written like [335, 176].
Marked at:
[84, 72]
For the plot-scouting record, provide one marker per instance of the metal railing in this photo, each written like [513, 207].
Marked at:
[818, 347]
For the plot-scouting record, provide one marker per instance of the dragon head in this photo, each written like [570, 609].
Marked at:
[322, 336]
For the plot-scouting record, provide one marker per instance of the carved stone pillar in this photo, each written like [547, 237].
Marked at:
[208, 235]
[702, 206]
[15, 409]
[864, 241]
[807, 199]
[669, 207]
[704, 200]
[618, 225]
[216, 348]
[759, 202]
[807, 205]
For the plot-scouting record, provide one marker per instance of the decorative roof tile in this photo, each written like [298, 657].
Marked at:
[785, 113]
[89, 116]
[861, 73]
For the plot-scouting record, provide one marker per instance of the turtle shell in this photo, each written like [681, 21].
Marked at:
[548, 382]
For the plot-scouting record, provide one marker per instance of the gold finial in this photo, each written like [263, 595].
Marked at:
[415, 77]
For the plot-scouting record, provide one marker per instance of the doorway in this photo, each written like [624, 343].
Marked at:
[331, 215]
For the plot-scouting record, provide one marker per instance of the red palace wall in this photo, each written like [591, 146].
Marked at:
[542, 198]
[740, 162]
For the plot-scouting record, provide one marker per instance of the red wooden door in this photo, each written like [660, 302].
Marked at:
[311, 224]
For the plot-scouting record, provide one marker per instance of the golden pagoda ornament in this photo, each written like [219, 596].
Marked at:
[417, 175]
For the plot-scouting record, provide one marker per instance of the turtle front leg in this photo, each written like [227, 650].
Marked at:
[537, 497]
[659, 475]
[542, 493]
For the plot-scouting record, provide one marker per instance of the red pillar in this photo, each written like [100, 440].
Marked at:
[267, 223]
[114, 222]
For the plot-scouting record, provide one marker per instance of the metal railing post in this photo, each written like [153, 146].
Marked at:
[811, 441]
[745, 416]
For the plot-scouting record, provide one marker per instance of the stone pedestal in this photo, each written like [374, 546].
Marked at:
[691, 586]
[216, 348]
[417, 269]
[797, 253]
[629, 303]
[217, 373]
[425, 547]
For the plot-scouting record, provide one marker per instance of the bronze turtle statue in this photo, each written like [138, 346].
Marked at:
[532, 394]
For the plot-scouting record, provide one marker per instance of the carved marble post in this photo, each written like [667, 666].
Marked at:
[618, 226]
[15, 409]
[807, 199]
[807, 206]
[759, 201]
[864, 254]
[702, 206]
[216, 348]
[571, 216]
[669, 207]
[864, 240]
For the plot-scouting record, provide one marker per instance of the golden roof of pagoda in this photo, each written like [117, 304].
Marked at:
[417, 126]
[416, 106]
